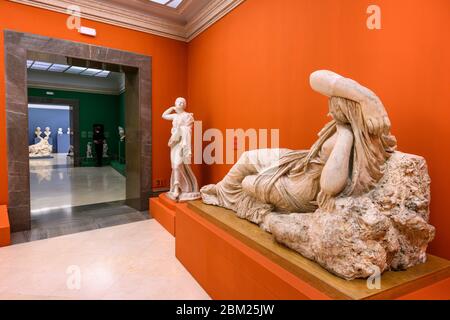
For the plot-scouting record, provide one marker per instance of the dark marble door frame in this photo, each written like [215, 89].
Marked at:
[17, 46]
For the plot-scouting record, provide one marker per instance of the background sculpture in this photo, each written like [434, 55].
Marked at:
[183, 184]
[121, 133]
[38, 132]
[351, 202]
[89, 150]
[47, 133]
[105, 149]
[43, 148]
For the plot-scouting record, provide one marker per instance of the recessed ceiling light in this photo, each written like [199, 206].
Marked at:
[75, 70]
[90, 72]
[39, 65]
[103, 74]
[160, 1]
[58, 67]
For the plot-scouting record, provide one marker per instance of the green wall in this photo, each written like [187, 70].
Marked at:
[122, 110]
[108, 110]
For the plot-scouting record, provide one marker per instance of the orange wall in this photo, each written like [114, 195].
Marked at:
[251, 69]
[169, 70]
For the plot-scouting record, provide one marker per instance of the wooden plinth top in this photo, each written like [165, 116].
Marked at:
[393, 283]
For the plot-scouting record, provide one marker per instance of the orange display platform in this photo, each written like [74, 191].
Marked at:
[5, 232]
[232, 258]
[163, 210]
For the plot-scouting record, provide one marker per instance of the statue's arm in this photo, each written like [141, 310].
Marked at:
[333, 85]
[336, 171]
[167, 114]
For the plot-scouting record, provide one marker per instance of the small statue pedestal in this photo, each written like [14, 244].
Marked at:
[62, 143]
[163, 210]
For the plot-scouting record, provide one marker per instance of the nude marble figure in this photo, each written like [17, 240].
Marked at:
[308, 199]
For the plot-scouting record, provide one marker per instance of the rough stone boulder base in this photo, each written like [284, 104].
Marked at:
[385, 229]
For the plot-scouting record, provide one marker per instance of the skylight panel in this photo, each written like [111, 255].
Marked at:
[174, 4]
[40, 65]
[64, 68]
[58, 67]
[103, 74]
[91, 72]
[75, 70]
[168, 3]
[160, 1]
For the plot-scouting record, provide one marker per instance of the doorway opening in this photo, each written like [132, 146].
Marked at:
[85, 160]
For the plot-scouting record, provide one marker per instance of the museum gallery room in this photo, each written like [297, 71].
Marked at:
[224, 150]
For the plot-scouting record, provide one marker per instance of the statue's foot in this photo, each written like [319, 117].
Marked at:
[209, 190]
[209, 195]
[177, 192]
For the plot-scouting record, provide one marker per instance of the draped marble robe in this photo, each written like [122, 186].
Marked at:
[289, 181]
[183, 184]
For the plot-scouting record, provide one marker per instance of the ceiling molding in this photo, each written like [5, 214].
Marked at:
[184, 23]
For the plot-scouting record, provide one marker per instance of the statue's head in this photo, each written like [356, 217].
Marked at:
[38, 128]
[47, 128]
[180, 105]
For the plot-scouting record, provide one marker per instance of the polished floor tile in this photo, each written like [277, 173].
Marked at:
[57, 222]
[131, 261]
[54, 183]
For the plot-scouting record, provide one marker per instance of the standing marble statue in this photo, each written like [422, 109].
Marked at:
[183, 184]
[351, 203]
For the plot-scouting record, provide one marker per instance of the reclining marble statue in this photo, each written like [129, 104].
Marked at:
[183, 184]
[352, 203]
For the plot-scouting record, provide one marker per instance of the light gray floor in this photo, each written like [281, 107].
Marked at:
[57, 222]
[54, 183]
[66, 200]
